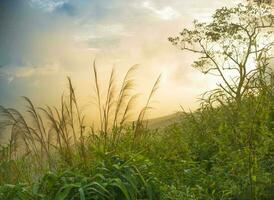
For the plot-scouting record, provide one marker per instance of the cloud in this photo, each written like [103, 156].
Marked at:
[29, 71]
[21, 25]
[165, 13]
[49, 5]
[66, 8]
[24, 72]
[43, 41]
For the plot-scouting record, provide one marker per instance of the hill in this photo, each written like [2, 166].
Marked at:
[164, 121]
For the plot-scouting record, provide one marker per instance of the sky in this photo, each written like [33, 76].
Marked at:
[44, 41]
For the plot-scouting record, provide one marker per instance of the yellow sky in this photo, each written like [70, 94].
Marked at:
[62, 38]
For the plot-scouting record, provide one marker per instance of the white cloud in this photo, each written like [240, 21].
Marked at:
[99, 31]
[10, 79]
[94, 37]
[34, 71]
[115, 29]
[28, 71]
[165, 13]
[48, 5]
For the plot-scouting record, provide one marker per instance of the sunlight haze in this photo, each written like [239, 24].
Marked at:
[43, 42]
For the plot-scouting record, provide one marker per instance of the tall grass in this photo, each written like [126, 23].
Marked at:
[208, 154]
[50, 135]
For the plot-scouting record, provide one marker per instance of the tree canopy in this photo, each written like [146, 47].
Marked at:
[236, 46]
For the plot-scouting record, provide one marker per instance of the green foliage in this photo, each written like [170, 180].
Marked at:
[234, 38]
[208, 155]
[16, 192]
[232, 132]
[223, 150]
[113, 178]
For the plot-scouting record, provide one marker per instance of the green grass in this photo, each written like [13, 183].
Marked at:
[111, 178]
[203, 155]
[224, 150]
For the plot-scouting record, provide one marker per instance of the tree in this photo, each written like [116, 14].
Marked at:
[235, 46]
[261, 1]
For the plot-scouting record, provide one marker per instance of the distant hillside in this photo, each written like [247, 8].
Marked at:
[164, 121]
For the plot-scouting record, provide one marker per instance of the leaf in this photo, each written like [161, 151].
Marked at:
[119, 184]
[82, 194]
[64, 191]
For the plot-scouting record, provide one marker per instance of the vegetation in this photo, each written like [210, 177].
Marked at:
[223, 150]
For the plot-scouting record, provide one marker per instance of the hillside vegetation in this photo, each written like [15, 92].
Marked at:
[223, 150]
